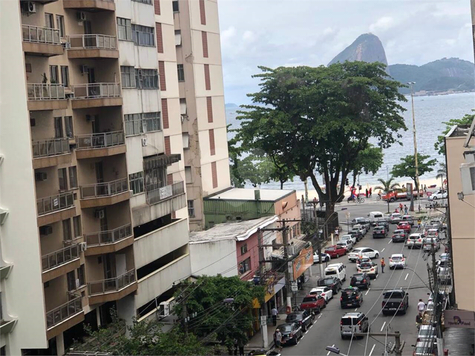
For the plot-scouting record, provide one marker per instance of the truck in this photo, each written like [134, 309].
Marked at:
[400, 195]
[395, 301]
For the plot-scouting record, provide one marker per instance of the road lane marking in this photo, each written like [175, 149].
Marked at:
[382, 327]
[383, 249]
[407, 275]
[356, 309]
[319, 316]
[372, 349]
[389, 242]
[367, 291]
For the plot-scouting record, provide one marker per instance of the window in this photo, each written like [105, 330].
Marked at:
[65, 76]
[128, 77]
[67, 233]
[188, 176]
[136, 182]
[58, 127]
[243, 249]
[77, 226]
[124, 29]
[60, 23]
[49, 20]
[207, 77]
[73, 177]
[212, 147]
[146, 78]
[154, 176]
[202, 12]
[204, 42]
[161, 72]
[71, 279]
[148, 2]
[136, 124]
[143, 35]
[53, 73]
[191, 209]
[181, 72]
[68, 126]
[62, 179]
[175, 6]
[80, 280]
[186, 140]
[245, 265]
[158, 28]
[177, 37]
[209, 106]
[151, 121]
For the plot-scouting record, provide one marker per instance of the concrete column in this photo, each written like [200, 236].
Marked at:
[98, 317]
[60, 344]
[126, 310]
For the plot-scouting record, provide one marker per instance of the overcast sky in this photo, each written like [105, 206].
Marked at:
[311, 32]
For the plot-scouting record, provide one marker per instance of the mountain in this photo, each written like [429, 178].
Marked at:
[231, 106]
[366, 48]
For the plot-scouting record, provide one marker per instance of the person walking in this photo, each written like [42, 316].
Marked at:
[421, 306]
[400, 207]
[367, 196]
[383, 264]
[278, 340]
[274, 313]
[370, 191]
[405, 209]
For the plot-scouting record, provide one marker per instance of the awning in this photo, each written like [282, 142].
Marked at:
[156, 161]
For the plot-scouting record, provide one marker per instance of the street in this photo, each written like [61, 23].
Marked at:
[326, 330]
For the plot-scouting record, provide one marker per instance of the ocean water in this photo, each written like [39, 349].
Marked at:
[430, 113]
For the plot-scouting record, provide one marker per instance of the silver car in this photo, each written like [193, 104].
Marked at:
[431, 243]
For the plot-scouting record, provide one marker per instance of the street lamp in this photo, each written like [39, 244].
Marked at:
[411, 84]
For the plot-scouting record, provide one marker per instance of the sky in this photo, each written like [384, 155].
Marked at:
[275, 33]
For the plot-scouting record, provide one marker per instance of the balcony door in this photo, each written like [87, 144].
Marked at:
[88, 40]
[109, 272]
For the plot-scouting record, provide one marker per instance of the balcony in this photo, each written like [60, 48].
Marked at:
[112, 288]
[95, 95]
[55, 208]
[52, 152]
[41, 41]
[103, 194]
[93, 46]
[60, 262]
[90, 5]
[100, 145]
[162, 279]
[64, 317]
[109, 241]
[46, 97]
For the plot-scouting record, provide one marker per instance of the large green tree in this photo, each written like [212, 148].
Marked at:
[407, 167]
[439, 144]
[319, 120]
[368, 161]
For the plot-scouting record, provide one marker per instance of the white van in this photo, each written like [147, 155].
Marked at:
[336, 270]
[374, 216]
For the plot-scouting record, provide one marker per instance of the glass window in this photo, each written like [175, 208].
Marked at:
[136, 124]
[191, 209]
[58, 127]
[243, 249]
[143, 35]
[188, 175]
[136, 182]
[149, 2]
[77, 226]
[245, 266]
[128, 77]
[71, 278]
[146, 78]
[62, 179]
[124, 29]
[175, 6]
[80, 280]
[60, 23]
[65, 76]
[67, 233]
[151, 121]
[73, 177]
[68, 125]
[181, 72]
[49, 20]
[53, 72]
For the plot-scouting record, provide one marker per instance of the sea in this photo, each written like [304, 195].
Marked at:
[430, 114]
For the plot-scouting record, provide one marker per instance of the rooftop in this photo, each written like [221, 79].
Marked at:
[249, 194]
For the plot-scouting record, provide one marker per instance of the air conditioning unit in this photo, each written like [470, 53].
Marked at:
[83, 68]
[83, 246]
[81, 15]
[166, 308]
[46, 230]
[30, 7]
[66, 45]
[3, 215]
[144, 142]
[99, 214]
[467, 174]
[41, 176]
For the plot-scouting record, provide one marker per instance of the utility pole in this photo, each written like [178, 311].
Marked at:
[262, 271]
[319, 242]
[414, 133]
[288, 280]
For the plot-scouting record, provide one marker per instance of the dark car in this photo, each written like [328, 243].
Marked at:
[304, 318]
[313, 303]
[333, 282]
[382, 222]
[395, 301]
[379, 231]
[291, 333]
[360, 280]
[351, 297]
[356, 234]
[399, 236]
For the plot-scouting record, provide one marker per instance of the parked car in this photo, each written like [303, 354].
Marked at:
[356, 234]
[291, 333]
[361, 221]
[360, 280]
[313, 303]
[430, 243]
[397, 260]
[325, 257]
[404, 225]
[399, 236]
[348, 237]
[351, 323]
[332, 282]
[325, 292]
[380, 231]
[335, 251]
[359, 252]
[409, 219]
[414, 240]
[443, 271]
[302, 317]
[370, 268]
[361, 229]
[346, 244]
[395, 301]
[395, 218]
[336, 270]
[351, 297]
[440, 194]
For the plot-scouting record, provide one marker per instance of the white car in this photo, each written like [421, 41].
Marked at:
[440, 194]
[325, 257]
[395, 218]
[360, 252]
[370, 268]
[434, 233]
[414, 240]
[324, 292]
[348, 237]
[397, 260]
[346, 244]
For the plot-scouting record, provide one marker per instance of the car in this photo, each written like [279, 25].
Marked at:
[331, 282]
[430, 243]
[325, 257]
[325, 292]
[360, 280]
[399, 236]
[395, 218]
[348, 237]
[380, 231]
[374, 216]
[397, 260]
[303, 317]
[414, 240]
[370, 268]
[359, 252]
[444, 257]
[436, 223]
[440, 194]
[346, 244]
[336, 270]
[409, 219]
[360, 221]
[395, 301]
[356, 234]
[443, 272]
[351, 297]
[291, 333]
[313, 303]
[362, 260]
[383, 222]
[361, 229]
[432, 233]
[335, 251]
[352, 323]
[403, 225]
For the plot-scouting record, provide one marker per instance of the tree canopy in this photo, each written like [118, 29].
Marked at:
[368, 161]
[439, 144]
[387, 185]
[407, 167]
[319, 120]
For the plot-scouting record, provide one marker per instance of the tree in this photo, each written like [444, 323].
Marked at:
[466, 120]
[368, 161]
[387, 185]
[441, 173]
[317, 121]
[407, 167]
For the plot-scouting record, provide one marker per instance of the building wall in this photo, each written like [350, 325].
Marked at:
[252, 253]
[213, 258]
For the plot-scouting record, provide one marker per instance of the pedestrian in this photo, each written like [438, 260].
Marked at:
[405, 209]
[235, 347]
[370, 191]
[421, 306]
[367, 193]
[418, 321]
[383, 264]
[278, 340]
[400, 207]
[396, 210]
[241, 348]
[274, 313]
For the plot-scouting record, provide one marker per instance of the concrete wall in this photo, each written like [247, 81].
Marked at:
[213, 258]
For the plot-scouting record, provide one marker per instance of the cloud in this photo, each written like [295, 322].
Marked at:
[383, 24]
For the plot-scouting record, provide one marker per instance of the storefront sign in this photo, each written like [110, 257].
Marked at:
[459, 319]
[302, 262]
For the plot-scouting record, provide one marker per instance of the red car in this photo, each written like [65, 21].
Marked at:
[313, 303]
[336, 251]
[404, 226]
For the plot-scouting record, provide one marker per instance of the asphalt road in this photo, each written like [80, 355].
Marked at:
[326, 330]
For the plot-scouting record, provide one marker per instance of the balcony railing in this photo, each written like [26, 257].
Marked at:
[105, 189]
[63, 312]
[45, 92]
[100, 140]
[96, 90]
[60, 257]
[156, 195]
[37, 34]
[52, 147]
[111, 284]
[93, 42]
[55, 203]
[109, 236]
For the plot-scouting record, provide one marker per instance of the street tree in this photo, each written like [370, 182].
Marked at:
[407, 167]
[387, 185]
[317, 121]
[368, 161]
[439, 144]
[441, 173]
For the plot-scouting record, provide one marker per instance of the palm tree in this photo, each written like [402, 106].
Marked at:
[387, 185]
[442, 173]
